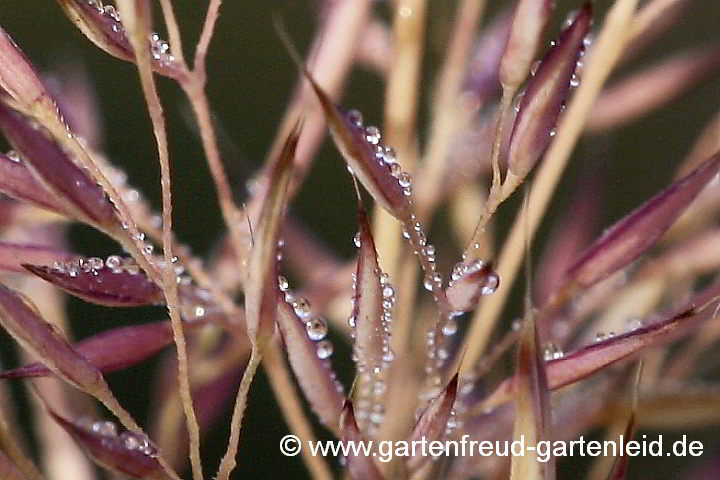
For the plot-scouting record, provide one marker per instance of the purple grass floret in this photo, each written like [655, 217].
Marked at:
[101, 23]
[128, 453]
[546, 94]
[111, 350]
[43, 339]
[94, 281]
[18, 182]
[634, 234]
[55, 169]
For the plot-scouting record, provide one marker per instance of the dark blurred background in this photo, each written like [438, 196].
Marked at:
[250, 82]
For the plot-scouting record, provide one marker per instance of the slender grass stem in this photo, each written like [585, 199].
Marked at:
[228, 462]
[139, 28]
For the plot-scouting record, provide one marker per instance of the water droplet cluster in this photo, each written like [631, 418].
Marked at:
[552, 352]
[108, 432]
[159, 49]
[315, 327]
[384, 155]
[94, 265]
[602, 336]
[462, 270]
[371, 376]
[13, 156]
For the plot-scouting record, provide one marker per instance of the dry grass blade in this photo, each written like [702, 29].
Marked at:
[137, 23]
[261, 291]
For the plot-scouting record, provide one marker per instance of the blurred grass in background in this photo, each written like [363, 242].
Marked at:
[250, 82]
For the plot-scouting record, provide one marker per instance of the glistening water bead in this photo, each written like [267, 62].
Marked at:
[316, 328]
[324, 349]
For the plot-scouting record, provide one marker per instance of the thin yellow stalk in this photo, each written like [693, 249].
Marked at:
[648, 15]
[228, 462]
[289, 401]
[137, 23]
[401, 102]
[602, 59]
[446, 104]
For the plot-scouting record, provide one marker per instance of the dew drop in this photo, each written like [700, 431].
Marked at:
[634, 324]
[450, 328]
[552, 352]
[432, 281]
[324, 349]
[372, 134]
[105, 428]
[534, 67]
[302, 308]
[113, 262]
[13, 156]
[491, 284]
[356, 240]
[389, 155]
[388, 291]
[355, 118]
[404, 180]
[316, 328]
